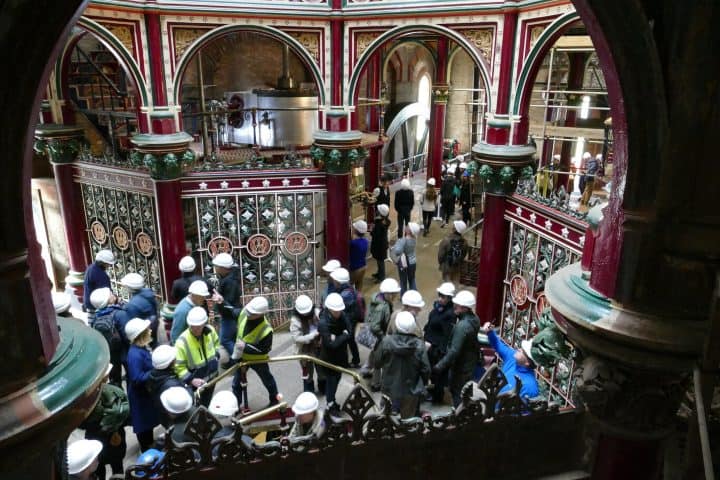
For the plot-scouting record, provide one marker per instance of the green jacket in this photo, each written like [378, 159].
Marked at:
[404, 363]
[463, 350]
[111, 411]
[379, 316]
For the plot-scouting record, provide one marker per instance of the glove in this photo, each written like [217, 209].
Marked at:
[238, 350]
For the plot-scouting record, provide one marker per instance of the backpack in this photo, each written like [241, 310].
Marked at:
[454, 255]
[355, 308]
[105, 325]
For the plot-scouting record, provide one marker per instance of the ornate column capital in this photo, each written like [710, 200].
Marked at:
[501, 166]
[440, 93]
[61, 143]
[163, 155]
[337, 152]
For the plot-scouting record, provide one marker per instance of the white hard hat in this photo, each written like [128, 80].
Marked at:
[376, 192]
[331, 266]
[105, 256]
[135, 327]
[389, 285]
[383, 209]
[224, 260]
[405, 184]
[335, 302]
[196, 316]
[412, 298]
[431, 181]
[224, 403]
[258, 306]
[176, 400]
[187, 264]
[460, 226]
[462, 165]
[81, 454]
[163, 356]
[447, 289]
[198, 287]
[61, 302]
[452, 168]
[340, 275]
[598, 156]
[556, 156]
[414, 228]
[464, 299]
[360, 226]
[306, 402]
[526, 346]
[133, 281]
[586, 155]
[405, 322]
[303, 304]
[100, 297]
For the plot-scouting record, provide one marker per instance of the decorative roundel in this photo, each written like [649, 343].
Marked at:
[296, 243]
[144, 244]
[121, 238]
[519, 291]
[540, 304]
[98, 232]
[219, 245]
[258, 245]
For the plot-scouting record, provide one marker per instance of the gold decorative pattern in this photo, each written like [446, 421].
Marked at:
[184, 37]
[309, 40]
[363, 41]
[124, 33]
[535, 33]
[482, 39]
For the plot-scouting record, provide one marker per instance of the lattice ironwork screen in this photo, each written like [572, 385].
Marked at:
[532, 258]
[271, 235]
[124, 222]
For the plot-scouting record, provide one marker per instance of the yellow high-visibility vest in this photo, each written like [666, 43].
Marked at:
[194, 353]
[253, 336]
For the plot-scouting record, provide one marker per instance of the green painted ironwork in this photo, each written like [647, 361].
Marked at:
[503, 180]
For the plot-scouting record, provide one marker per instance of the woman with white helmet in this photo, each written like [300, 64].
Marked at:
[334, 331]
[403, 254]
[378, 319]
[429, 205]
[379, 243]
[304, 331]
[437, 334]
[358, 254]
[308, 416]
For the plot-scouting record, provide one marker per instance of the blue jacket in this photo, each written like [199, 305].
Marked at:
[142, 305]
[143, 413]
[358, 252]
[95, 277]
[510, 368]
[179, 319]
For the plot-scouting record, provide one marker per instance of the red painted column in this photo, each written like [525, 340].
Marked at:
[440, 93]
[336, 51]
[155, 53]
[502, 102]
[374, 80]
[493, 254]
[337, 231]
[170, 228]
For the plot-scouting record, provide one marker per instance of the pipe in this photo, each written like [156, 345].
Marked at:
[285, 81]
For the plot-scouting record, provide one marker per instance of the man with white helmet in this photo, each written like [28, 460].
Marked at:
[329, 267]
[224, 405]
[354, 308]
[404, 363]
[447, 197]
[96, 276]
[254, 342]
[197, 294]
[404, 203]
[379, 243]
[463, 349]
[142, 303]
[404, 255]
[163, 376]
[358, 254]
[227, 300]
[109, 320]
[181, 285]
[412, 301]
[305, 335]
[383, 197]
[437, 335]
[177, 403]
[198, 353]
[82, 459]
[378, 319]
[334, 335]
[451, 253]
[308, 416]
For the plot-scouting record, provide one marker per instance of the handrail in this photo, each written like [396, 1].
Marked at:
[262, 413]
[287, 358]
[702, 426]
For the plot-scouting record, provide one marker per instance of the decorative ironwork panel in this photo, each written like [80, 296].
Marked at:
[272, 237]
[532, 258]
[124, 222]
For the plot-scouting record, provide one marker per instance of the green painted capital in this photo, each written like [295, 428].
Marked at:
[549, 345]
[338, 161]
[60, 143]
[502, 180]
[166, 166]
[500, 167]
[440, 93]
[75, 279]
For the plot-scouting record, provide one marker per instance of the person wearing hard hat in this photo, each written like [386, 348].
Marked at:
[451, 252]
[413, 302]
[334, 336]
[106, 424]
[82, 459]
[96, 276]
[437, 335]
[378, 319]
[465, 197]
[429, 205]
[515, 363]
[198, 353]
[163, 376]
[309, 417]
[61, 304]
[142, 303]
[329, 267]
[181, 285]
[405, 367]
[383, 197]
[254, 342]
[305, 335]
[447, 197]
[227, 300]
[143, 414]
[462, 354]
[354, 309]
[379, 243]
[358, 254]
[197, 294]
[404, 203]
[592, 167]
[110, 319]
[178, 405]
[224, 405]
[403, 254]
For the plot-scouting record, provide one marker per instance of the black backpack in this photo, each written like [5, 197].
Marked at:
[105, 324]
[454, 255]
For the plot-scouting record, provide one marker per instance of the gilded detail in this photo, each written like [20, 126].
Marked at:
[363, 41]
[184, 37]
[535, 33]
[125, 34]
[310, 41]
[482, 39]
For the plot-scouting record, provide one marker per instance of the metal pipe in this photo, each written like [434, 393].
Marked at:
[702, 426]
[575, 92]
[262, 413]
[571, 107]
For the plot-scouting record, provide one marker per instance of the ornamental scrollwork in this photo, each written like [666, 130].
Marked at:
[163, 166]
[60, 150]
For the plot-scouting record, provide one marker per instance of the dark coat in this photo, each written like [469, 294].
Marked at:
[142, 305]
[438, 330]
[95, 277]
[446, 190]
[463, 351]
[404, 364]
[181, 285]
[404, 201]
[158, 381]
[334, 351]
[444, 249]
[379, 244]
[229, 288]
[143, 414]
[384, 196]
